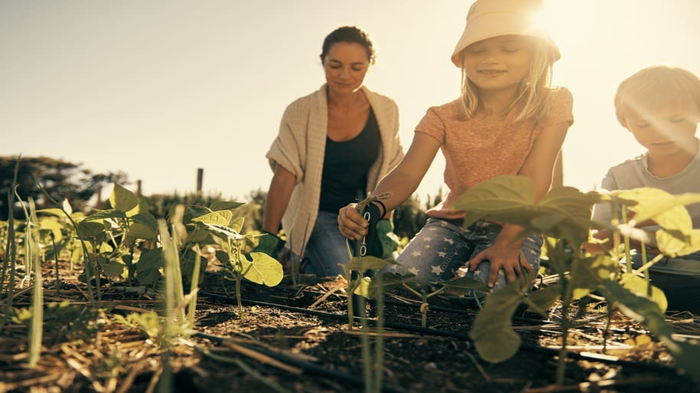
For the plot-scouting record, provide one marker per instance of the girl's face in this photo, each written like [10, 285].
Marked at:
[345, 65]
[664, 131]
[499, 63]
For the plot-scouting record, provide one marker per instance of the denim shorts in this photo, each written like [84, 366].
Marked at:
[443, 246]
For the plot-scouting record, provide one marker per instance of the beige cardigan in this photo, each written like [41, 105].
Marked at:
[300, 147]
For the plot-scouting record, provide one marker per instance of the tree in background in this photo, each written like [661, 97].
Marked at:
[60, 179]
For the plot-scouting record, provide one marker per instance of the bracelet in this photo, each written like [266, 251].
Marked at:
[382, 206]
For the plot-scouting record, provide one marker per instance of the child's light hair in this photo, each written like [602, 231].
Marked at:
[657, 87]
[533, 97]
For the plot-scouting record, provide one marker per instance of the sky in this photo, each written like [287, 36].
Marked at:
[160, 88]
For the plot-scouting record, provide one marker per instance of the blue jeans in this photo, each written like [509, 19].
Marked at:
[441, 247]
[326, 248]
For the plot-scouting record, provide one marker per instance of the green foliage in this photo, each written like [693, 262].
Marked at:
[493, 333]
[564, 216]
[68, 321]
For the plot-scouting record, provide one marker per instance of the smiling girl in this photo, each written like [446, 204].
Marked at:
[508, 121]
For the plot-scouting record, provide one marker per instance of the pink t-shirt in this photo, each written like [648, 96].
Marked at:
[476, 150]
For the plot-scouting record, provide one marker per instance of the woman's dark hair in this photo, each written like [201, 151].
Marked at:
[348, 34]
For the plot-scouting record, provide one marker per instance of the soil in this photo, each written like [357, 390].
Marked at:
[297, 339]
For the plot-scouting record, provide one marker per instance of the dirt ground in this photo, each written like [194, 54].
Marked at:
[297, 339]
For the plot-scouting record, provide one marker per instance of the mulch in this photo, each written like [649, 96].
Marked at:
[297, 339]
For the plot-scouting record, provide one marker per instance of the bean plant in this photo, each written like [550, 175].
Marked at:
[563, 215]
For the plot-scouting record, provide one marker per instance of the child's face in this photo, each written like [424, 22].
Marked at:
[498, 63]
[662, 131]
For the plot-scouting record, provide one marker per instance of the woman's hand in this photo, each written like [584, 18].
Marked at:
[508, 257]
[351, 223]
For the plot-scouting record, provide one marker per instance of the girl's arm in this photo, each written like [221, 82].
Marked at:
[401, 182]
[505, 252]
[278, 195]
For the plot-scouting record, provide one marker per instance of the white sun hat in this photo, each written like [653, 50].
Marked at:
[493, 18]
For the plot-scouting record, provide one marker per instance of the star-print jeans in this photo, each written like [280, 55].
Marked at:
[443, 246]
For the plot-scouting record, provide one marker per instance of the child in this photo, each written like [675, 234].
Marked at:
[508, 121]
[661, 107]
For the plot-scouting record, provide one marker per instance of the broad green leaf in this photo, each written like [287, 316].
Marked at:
[639, 308]
[90, 229]
[587, 274]
[661, 202]
[113, 269]
[141, 208]
[263, 270]
[687, 358]
[638, 286]
[149, 265]
[225, 205]
[102, 215]
[222, 256]
[147, 220]
[674, 247]
[221, 218]
[49, 224]
[464, 285]
[140, 231]
[563, 212]
[493, 333]
[105, 248]
[54, 211]
[362, 288]
[385, 282]
[498, 195]
[544, 298]
[200, 235]
[237, 224]
[363, 264]
[122, 199]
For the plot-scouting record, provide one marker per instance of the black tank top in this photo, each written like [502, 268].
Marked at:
[346, 164]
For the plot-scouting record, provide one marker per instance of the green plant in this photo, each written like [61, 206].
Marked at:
[564, 216]
[257, 267]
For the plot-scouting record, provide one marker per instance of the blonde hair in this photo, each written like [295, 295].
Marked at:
[657, 87]
[534, 89]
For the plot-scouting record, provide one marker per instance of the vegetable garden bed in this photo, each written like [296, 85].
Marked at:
[297, 339]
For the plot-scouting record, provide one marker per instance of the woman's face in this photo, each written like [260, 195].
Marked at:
[345, 65]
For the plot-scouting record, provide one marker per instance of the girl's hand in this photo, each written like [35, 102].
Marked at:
[351, 223]
[508, 257]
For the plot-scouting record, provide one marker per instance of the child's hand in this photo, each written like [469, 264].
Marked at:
[507, 257]
[351, 223]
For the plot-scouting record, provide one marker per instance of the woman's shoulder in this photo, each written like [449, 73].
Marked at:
[302, 105]
[379, 99]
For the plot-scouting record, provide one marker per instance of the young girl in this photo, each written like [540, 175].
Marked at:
[508, 121]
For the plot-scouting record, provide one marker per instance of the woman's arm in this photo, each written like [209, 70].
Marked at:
[401, 182]
[505, 252]
[278, 195]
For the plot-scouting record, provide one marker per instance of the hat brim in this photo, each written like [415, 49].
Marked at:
[499, 24]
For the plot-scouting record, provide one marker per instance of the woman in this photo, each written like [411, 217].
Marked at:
[333, 146]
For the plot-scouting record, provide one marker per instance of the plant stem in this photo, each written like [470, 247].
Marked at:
[193, 287]
[566, 299]
[55, 256]
[32, 254]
